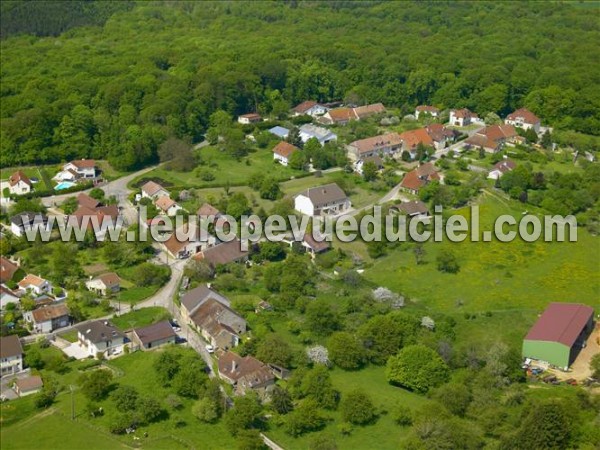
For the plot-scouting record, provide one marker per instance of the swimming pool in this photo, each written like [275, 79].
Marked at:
[64, 185]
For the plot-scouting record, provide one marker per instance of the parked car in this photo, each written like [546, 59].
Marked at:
[210, 349]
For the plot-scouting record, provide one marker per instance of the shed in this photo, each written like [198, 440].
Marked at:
[559, 333]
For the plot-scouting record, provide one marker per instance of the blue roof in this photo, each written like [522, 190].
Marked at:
[279, 131]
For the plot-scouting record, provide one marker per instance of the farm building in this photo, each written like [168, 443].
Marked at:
[559, 333]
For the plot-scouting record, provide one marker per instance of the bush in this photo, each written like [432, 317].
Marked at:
[357, 408]
[417, 368]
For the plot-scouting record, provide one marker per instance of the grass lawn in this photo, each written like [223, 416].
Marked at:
[70, 336]
[141, 317]
[135, 294]
[384, 431]
[224, 169]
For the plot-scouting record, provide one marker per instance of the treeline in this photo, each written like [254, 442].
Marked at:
[55, 17]
[158, 70]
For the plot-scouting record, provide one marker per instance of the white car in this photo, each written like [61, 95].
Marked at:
[210, 349]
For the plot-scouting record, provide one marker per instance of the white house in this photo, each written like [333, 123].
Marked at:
[523, 118]
[35, 284]
[100, 337]
[246, 119]
[500, 168]
[359, 165]
[283, 151]
[83, 168]
[104, 284]
[154, 190]
[310, 108]
[11, 355]
[48, 318]
[322, 200]
[426, 109]
[19, 183]
[167, 206]
[28, 221]
[323, 135]
[28, 385]
[463, 117]
[7, 296]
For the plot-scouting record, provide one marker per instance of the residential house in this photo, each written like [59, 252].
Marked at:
[323, 135]
[338, 116]
[11, 355]
[78, 169]
[322, 200]
[19, 183]
[501, 167]
[25, 221]
[362, 112]
[154, 190]
[413, 138]
[383, 145]
[245, 373]
[283, 151]
[220, 325]
[315, 246]
[358, 167]
[193, 299]
[105, 284]
[186, 241]
[7, 296]
[48, 318]
[35, 284]
[523, 118]
[7, 269]
[414, 180]
[280, 132]
[440, 135]
[84, 200]
[414, 208]
[28, 385]
[155, 335]
[167, 206]
[426, 109]
[463, 117]
[100, 337]
[246, 119]
[493, 138]
[98, 219]
[208, 210]
[223, 253]
[310, 108]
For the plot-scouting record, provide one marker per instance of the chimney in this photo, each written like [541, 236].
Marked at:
[233, 366]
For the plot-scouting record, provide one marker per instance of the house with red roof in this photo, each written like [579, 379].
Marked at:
[19, 183]
[77, 169]
[493, 138]
[246, 119]
[283, 151]
[559, 334]
[426, 110]
[501, 167]
[310, 108]
[416, 179]
[463, 117]
[523, 118]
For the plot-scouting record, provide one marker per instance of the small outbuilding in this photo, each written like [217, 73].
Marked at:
[155, 335]
[559, 334]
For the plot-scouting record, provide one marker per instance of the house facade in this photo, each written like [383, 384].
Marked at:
[246, 119]
[388, 144]
[153, 190]
[154, 336]
[322, 200]
[48, 318]
[167, 206]
[501, 167]
[426, 109]
[463, 117]
[11, 355]
[218, 324]
[24, 221]
[105, 284]
[34, 284]
[283, 151]
[80, 168]
[19, 183]
[100, 337]
[523, 118]
[310, 108]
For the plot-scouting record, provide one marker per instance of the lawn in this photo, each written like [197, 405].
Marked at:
[224, 169]
[141, 317]
[384, 431]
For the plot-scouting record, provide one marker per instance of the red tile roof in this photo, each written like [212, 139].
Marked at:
[413, 138]
[49, 312]
[19, 176]
[7, 269]
[561, 322]
[342, 114]
[85, 200]
[525, 114]
[304, 106]
[84, 163]
[284, 149]
[368, 110]
[374, 143]
[416, 179]
[164, 203]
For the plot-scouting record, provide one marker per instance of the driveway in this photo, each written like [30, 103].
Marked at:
[76, 351]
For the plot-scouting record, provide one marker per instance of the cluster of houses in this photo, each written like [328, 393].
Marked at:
[12, 364]
[161, 198]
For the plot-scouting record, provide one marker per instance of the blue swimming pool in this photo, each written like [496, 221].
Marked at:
[64, 185]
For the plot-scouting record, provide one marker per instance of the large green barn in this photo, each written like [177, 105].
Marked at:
[559, 333]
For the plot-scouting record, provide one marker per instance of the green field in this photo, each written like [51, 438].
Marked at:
[140, 317]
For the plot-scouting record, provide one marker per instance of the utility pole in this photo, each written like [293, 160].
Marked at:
[72, 402]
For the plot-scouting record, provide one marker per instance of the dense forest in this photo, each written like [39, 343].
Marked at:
[117, 88]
